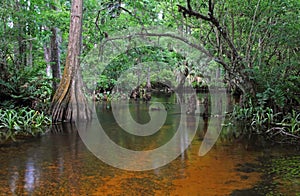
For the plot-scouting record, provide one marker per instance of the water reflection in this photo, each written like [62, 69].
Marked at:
[60, 164]
[13, 182]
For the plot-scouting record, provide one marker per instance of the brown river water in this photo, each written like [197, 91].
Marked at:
[59, 163]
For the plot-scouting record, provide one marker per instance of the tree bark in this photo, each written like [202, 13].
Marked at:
[55, 58]
[30, 55]
[20, 51]
[47, 59]
[148, 85]
[69, 102]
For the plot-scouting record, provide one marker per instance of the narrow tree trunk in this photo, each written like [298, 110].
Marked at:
[30, 55]
[148, 85]
[55, 51]
[55, 58]
[20, 52]
[47, 59]
[69, 103]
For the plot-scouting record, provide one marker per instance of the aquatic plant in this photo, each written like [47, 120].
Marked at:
[287, 170]
[257, 116]
[22, 121]
[263, 120]
[292, 121]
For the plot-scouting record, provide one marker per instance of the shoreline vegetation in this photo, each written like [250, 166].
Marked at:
[79, 49]
[24, 122]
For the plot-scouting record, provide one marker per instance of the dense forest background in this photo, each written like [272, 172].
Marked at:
[255, 43]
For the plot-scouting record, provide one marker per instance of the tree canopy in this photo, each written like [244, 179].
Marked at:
[256, 43]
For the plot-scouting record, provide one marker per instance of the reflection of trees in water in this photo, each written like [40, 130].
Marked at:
[44, 162]
[204, 128]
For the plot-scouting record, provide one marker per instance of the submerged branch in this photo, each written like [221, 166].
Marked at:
[282, 135]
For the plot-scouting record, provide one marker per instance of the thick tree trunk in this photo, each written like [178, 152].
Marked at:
[69, 103]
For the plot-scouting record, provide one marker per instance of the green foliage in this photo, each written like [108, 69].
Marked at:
[26, 87]
[288, 168]
[136, 62]
[264, 119]
[292, 122]
[264, 34]
[25, 30]
[22, 121]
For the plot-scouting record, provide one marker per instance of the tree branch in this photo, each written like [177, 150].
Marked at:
[146, 34]
[189, 4]
[131, 14]
[120, 8]
[211, 8]
[198, 47]
[251, 31]
[189, 12]
[210, 18]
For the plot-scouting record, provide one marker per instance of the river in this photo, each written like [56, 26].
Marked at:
[59, 163]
